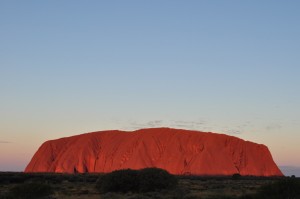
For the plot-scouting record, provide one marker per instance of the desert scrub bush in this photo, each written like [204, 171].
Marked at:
[284, 188]
[287, 188]
[119, 181]
[236, 176]
[145, 180]
[30, 191]
[154, 179]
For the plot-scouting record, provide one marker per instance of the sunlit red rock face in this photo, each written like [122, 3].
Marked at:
[177, 151]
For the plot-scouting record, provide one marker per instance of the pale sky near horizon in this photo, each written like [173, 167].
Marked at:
[70, 67]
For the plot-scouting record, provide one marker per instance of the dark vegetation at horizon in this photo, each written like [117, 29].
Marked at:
[144, 184]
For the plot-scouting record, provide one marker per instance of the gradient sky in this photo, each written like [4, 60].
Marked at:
[70, 67]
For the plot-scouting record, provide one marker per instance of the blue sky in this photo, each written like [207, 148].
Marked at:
[69, 67]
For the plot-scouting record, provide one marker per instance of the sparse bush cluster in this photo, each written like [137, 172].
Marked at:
[288, 188]
[118, 181]
[285, 188]
[55, 178]
[30, 191]
[144, 180]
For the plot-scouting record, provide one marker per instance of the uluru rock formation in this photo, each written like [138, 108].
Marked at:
[175, 150]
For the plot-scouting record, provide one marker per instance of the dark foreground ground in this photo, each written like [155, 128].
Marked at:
[83, 186]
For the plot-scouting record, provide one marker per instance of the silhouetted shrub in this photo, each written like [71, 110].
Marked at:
[288, 188]
[119, 181]
[154, 179]
[285, 188]
[30, 191]
[145, 180]
[236, 176]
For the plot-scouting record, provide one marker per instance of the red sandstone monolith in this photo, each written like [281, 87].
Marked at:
[175, 150]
